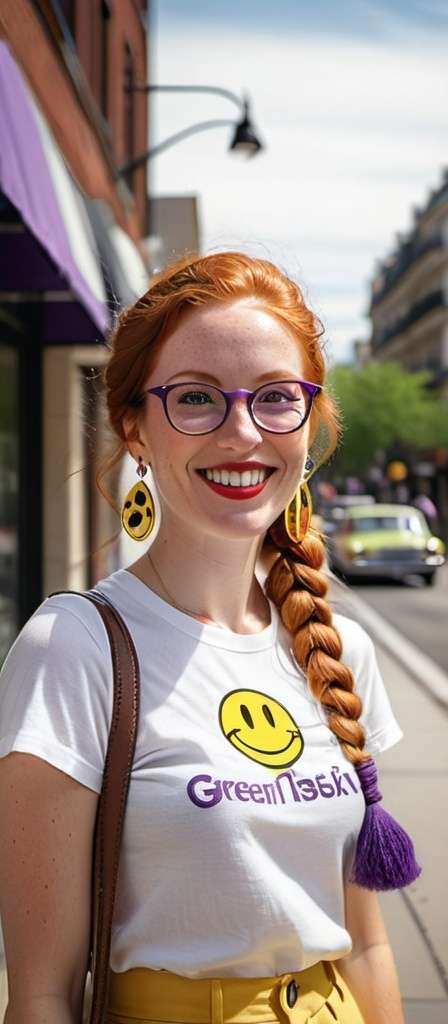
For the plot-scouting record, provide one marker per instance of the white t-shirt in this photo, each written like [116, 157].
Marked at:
[243, 811]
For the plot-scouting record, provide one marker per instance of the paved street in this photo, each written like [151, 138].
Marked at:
[414, 777]
[418, 611]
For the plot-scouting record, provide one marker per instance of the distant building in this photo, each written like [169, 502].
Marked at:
[409, 325]
[409, 295]
[362, 353]
[173, 228]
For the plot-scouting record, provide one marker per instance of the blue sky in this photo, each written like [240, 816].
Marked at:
[350, 98]
[344, 17]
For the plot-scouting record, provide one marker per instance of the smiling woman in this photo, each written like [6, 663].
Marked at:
[208, 437]
[253, 767]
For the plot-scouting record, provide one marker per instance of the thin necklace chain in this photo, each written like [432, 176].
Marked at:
[172, 602]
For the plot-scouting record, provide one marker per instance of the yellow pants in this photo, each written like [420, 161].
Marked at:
[318, 994]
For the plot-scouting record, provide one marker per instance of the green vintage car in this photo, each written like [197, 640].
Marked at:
[384, 541]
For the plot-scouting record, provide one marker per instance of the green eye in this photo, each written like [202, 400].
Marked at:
[276, 397]
[196, 398]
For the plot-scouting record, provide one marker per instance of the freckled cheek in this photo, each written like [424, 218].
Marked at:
[173, 465]
[162, 443]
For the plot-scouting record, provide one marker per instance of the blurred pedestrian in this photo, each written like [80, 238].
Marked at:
[426, 505]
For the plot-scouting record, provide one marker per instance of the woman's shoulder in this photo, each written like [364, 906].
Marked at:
[353, 635]
[358, 649]
[56, 688]
[65, 617]
[68, 609]
[65, 624]
[71, 620]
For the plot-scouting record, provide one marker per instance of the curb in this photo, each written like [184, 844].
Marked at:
[419, 665]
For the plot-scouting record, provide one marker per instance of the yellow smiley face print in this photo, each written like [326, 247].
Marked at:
[261, 728]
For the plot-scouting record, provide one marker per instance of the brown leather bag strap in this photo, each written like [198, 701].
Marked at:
[114, 789]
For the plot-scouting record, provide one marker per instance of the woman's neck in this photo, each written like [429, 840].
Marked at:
[219, 588]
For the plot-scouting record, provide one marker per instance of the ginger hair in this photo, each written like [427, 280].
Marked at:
[298, 586]
[296, 582]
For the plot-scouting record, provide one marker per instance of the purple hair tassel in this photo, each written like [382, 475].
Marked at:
[385, 857]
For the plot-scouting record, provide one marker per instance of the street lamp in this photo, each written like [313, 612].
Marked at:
[244, 139]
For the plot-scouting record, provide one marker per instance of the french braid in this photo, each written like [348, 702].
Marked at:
[298, 587]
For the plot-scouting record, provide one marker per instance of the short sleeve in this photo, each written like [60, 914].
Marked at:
[56, 689]
[377, 718]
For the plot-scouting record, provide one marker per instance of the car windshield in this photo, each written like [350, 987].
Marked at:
[367, 523]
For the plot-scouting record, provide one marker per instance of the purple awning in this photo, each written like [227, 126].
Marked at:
[37, 182]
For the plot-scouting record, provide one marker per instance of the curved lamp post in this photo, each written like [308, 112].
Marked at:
[244, 139]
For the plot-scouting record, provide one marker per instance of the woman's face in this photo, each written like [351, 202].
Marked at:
[235, 346]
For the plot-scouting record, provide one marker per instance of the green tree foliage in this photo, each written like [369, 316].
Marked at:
[382, 405]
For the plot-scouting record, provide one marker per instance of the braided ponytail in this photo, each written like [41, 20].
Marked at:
[296, 584]
[298, 587]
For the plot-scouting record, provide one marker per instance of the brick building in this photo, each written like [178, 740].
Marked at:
[72, 227]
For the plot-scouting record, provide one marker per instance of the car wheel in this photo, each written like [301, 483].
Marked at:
[429, 579]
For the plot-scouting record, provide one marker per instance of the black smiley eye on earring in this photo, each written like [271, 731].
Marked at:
[138, 515]
[297, 515]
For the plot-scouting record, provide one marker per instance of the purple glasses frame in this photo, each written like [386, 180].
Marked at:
[230, 397]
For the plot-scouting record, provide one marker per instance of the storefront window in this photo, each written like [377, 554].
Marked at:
[104, 528]
[8, 497]
[109, 546]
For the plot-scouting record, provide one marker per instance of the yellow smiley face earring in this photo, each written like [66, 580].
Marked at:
[297, 515]
[138, 516]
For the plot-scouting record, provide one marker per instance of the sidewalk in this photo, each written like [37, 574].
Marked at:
[414, 776]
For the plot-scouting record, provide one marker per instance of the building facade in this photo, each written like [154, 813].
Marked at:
[409, 299]
[72, 253]
[409, 325]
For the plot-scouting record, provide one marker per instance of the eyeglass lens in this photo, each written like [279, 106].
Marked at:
[199, 408]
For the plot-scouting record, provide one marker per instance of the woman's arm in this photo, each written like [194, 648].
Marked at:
[369, 969]
[47, 823]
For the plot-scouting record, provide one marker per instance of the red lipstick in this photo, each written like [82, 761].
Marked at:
[236, 492]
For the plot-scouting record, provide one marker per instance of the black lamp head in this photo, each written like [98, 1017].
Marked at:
[245, 140]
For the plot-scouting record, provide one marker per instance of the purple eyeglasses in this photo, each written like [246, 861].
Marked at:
[194, 407]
